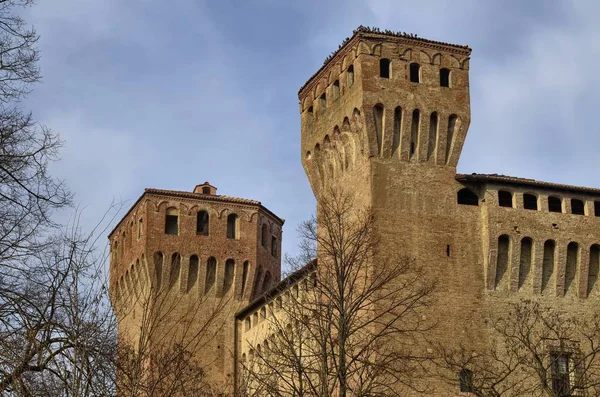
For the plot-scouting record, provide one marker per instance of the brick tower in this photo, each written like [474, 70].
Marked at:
[385, 119]
[182, 263]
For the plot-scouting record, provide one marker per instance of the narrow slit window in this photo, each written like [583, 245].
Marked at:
[384, 68]
[140, 231]
[577, 207]
[232, 226]
[505, 198]
[554, 204]
[467, 197]
[172, 221]
[530, 202]
[202, 223]
[415, 72]
[414, 133]
[444, 77]
[596, 208]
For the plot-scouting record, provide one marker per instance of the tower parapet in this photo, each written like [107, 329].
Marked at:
[198, 251]
[385, 96]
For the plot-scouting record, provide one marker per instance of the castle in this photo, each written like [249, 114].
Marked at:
[384, 119]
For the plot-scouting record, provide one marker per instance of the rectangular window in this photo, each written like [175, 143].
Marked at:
[274, 246]
[171, 224]
[560, 373]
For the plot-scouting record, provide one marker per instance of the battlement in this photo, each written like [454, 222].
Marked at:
[196, 242]
[384, 96]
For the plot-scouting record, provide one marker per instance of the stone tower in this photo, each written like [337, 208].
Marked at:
[385, 119]
[183, 263]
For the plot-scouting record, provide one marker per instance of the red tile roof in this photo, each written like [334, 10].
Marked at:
[505, 179]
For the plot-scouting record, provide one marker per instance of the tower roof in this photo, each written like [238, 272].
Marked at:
[505, 179]
[376, 33]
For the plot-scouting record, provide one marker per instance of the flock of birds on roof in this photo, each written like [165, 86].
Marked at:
[369, 29]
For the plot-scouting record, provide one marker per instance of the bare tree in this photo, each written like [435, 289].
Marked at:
[161, 351]
[57, 331]
[535, 351]
[349, 326]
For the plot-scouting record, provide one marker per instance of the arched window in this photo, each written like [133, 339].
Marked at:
[172, 221]
[192, 273]
[350, 75]
[415, 72]
[577, 207]
[414, 133]
[232, 226]
[211, 274]
[554, 204]
[571, 267]
[175, 269]
[248, 323]
[205, 190]
[310, 116]
[530, 202]
[502, 260]
[229, 273]
[244, 277]
[267, 282]
[466, 197]
[444, 77]
[263, 235]
[158, 265]
[140, 228]
[525, 262]
[594, 268]
[548, 263]
[505, 198]
[202, 223]
[336, 89]
[384, 68]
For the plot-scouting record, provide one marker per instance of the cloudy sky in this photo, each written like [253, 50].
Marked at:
[169, 94]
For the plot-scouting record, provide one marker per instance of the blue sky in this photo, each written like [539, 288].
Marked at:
[150, 93]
